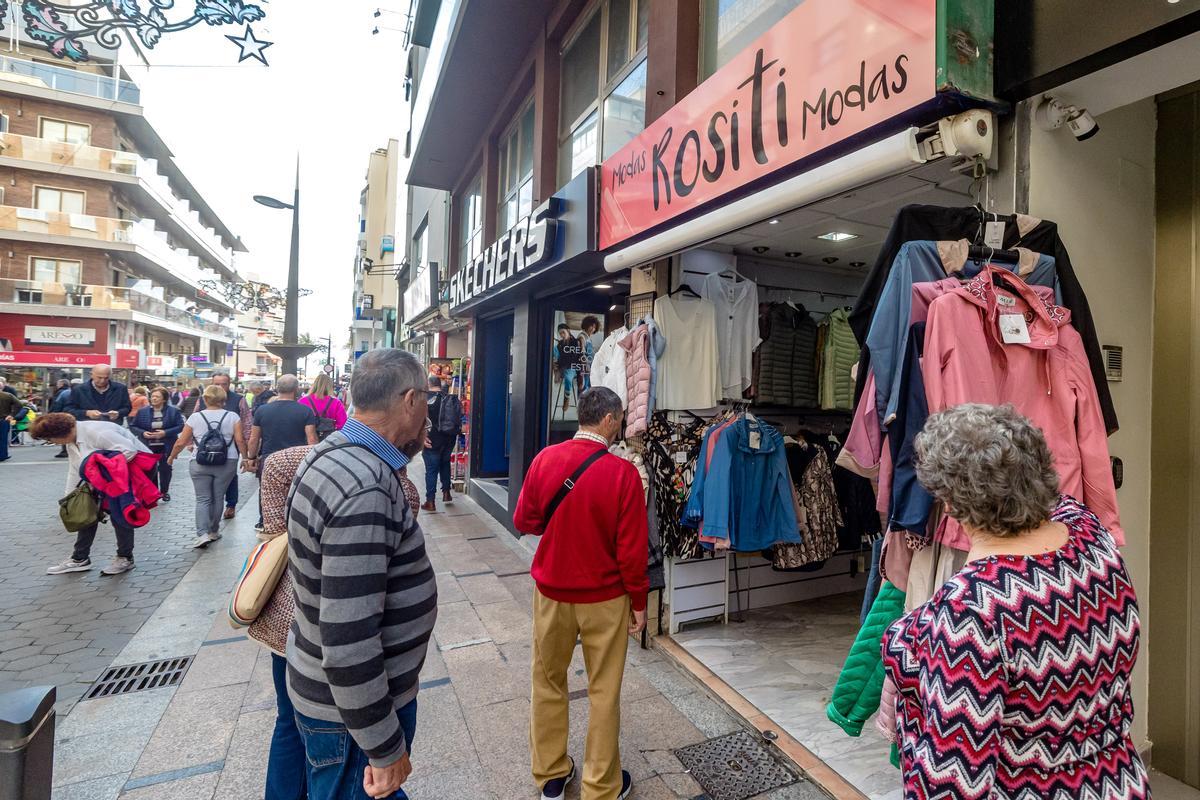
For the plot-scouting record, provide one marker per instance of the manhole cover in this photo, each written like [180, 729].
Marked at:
[734, 767]
[129, 678]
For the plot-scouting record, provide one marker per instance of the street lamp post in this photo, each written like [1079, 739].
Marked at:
[290, 350]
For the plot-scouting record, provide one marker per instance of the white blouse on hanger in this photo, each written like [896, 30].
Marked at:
[688, 372]
[736, 305]
[608, 365]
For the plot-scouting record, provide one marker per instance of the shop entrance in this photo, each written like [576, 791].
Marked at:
[495, 401]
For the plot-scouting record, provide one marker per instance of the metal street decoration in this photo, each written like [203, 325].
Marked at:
[63, 28]
[250, 295]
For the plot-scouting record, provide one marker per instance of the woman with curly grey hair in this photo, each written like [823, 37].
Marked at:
[1014, 679]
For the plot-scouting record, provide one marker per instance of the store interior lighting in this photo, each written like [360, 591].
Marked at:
[602, 286]
[838, 236]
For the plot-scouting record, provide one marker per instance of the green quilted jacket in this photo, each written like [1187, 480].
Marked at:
[859, 687]
[837, 359]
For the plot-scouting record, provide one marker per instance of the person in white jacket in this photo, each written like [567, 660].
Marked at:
[81, 438]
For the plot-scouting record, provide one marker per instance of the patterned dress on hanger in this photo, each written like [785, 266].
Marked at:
[671, 452]
[819, 514]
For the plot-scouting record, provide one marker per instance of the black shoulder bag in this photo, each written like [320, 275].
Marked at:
[569, 484]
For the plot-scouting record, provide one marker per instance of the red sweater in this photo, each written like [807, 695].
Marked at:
[595, 548]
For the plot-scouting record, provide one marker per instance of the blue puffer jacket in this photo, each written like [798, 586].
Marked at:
[745, 495]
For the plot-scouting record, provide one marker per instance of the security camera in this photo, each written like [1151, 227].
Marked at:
[1051, 114]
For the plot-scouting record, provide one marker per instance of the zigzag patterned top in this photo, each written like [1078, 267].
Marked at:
[1014, 679]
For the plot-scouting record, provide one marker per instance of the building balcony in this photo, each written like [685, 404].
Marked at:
[137, 242]
[106, 302]
[139, 174]
[74, 81]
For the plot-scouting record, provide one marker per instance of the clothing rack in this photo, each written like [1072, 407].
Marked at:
[771, 287]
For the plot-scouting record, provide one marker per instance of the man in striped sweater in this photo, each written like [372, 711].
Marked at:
[366, 598]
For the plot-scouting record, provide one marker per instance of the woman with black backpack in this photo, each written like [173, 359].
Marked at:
[217, 435]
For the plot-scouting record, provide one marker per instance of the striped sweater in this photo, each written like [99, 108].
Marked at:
[366, 598]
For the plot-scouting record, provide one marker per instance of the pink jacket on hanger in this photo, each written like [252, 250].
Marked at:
[1042, 371]
[637, 379]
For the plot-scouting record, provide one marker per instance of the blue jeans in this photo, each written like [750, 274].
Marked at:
[336, 764]
[4, 426]
[874, 580]
[231, 494]
[437, 464]
[286, 763]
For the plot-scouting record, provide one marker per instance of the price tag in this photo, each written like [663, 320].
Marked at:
[681, 457]
[755, 440]
[993, 235]
[1013, 329]
[1005, 300]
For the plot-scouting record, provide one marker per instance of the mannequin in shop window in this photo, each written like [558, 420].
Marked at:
[1032, 643]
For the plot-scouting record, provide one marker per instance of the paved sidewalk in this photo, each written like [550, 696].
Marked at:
[66, 629]
[210, 737]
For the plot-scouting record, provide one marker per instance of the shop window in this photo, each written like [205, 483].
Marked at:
[516, 170]
[46, 198]
[604, 85]
[60, 130]
[3, 123]
[728, 26]
[576, 337]
[470, 223]
[56, 270]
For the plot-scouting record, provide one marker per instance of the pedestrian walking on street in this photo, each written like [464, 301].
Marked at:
[158, 425]
[278, 425]
[237, 404]
[331, 414]
[10, 406]
[1014, 680]
[100, 398]
[217, 434]
[62, 395]
[139, 398]
[355, 549]
[590, 570]
[187, 406]
[82, 438]
[445, 423]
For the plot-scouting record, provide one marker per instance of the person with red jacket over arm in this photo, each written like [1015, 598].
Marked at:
[590, 569]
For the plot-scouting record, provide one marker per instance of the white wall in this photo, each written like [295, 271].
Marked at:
[1101, 194]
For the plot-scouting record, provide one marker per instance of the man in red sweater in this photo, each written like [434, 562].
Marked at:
[589, 508]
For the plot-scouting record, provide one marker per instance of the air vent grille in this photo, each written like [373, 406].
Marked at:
[1114, 361]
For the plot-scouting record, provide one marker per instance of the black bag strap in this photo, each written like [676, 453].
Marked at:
[569, 484]
[208, 424]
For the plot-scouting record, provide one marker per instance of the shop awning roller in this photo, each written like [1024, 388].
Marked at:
[874, 162]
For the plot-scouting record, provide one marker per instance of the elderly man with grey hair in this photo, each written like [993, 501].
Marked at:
[277, 426]
[366, 597]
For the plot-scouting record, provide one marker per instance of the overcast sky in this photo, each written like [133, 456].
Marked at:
[333, 92]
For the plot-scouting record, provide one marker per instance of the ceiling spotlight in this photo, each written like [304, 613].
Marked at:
[760, 249]
[793, 254]
[830, 259]
[613, 307]
[375, 32]
[378, 13]
[858, 263]
[837, 236]
[602, 286]
[773, 222]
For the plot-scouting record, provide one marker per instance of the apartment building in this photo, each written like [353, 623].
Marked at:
[105, 246]
[376, 292]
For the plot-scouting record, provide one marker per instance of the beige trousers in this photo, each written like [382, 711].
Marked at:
[603, 629]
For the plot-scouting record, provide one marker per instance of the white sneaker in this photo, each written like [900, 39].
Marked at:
[119, 564]
[70, 565]
[202, 540]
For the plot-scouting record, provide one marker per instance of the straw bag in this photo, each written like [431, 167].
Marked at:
[260, 575]
[272, 626]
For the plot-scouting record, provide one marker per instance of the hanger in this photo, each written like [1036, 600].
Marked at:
[986, 254]
[683, 287]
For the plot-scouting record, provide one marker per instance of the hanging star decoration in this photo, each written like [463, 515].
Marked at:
[251, 47]
[63, 29]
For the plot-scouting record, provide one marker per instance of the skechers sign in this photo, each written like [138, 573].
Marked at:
[828, 70]
[528, 245]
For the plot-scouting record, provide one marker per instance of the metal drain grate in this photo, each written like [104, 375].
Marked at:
[734, 767]
[130, 678]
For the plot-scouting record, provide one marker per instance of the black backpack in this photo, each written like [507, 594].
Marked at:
[213, 450]
[325, 425]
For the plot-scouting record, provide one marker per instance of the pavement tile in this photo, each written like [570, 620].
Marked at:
[245, 773]
[481, 677]
[456, 623]
[506, 621]
[449, 589]
[106, 788]
[483, 589]
[96, 755]
[196, 787]
[137, 712]
[221, 665]
[195, 729]
[466, 782]
[443, 741]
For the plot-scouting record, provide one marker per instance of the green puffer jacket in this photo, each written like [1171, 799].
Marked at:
[837, 360]
[859, 687]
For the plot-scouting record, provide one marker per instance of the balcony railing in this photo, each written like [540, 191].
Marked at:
[117, 162]
[71, 80]
[142, 234]
[112, 298]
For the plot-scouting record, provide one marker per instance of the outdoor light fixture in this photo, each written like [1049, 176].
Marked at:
[773, 222]
[793, 254]
[837, 236]
[602, 286]
[760, 249]
[613, 307]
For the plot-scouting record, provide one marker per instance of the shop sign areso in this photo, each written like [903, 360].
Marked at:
[828, 70]
[44, 334]
[26, 359]
[528, 245]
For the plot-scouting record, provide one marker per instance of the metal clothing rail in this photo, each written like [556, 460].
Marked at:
[773, 288]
